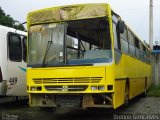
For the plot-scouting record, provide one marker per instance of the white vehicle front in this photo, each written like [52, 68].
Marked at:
[12, 62]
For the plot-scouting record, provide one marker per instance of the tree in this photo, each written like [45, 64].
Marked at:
[8, 21]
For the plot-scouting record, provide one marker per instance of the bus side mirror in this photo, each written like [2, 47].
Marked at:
[121, 26]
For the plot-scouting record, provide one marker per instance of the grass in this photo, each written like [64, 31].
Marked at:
[154, 91]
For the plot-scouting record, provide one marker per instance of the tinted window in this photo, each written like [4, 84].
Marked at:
[140, 46]
[130, 38]
[142, 55]
[116, 42]
[116, 45]
[132, 50]
[145, 55]
[124, 42]
[138, 54]
[137, 43]
[124, 35]
[15, 48]
[24, 48]
[124, 46]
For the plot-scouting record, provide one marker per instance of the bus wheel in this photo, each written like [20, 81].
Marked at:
[126, 96]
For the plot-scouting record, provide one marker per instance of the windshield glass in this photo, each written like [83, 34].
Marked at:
[46, 42]
[80, 42]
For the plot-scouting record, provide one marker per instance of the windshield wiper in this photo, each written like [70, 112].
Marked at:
[45, 55]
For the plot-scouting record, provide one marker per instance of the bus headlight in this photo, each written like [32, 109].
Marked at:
[93, 87]
[33, 88]
[101, 88]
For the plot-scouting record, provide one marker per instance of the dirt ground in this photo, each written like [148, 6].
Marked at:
[139, 109]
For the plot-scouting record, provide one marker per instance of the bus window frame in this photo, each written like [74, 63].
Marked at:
[8, 47]
[117, 43]
[24, 57]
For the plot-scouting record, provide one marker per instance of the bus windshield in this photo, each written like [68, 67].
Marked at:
[80, 42]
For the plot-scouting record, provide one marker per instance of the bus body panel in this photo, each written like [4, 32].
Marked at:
[13, 83]
[136, 73]
[69, 76]
[119, 93]
[16, 84]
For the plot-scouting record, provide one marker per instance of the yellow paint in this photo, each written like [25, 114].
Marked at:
[129, 68]
[73, 73]
[135, 71]
[118, 96]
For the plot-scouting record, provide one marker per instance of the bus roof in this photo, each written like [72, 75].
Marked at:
[69, 12]
[9, 29]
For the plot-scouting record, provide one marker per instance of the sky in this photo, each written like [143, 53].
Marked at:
[134, 12]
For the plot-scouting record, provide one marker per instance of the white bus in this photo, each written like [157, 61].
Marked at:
[12, 62]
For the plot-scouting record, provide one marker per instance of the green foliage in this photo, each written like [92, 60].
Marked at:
[154, 91]
[8, 21]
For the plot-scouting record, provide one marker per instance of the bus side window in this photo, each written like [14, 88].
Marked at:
[138, 55]
[24, 40]
[145, 54]
[14, 47]
[132, 48]
[141, 51]
[116, 39]
[124, 42]
[117, 52]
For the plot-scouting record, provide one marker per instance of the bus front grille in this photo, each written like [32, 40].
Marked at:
[67, 80]
[66, 88]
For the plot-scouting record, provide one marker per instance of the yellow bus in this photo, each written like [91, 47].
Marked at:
[84, 55]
